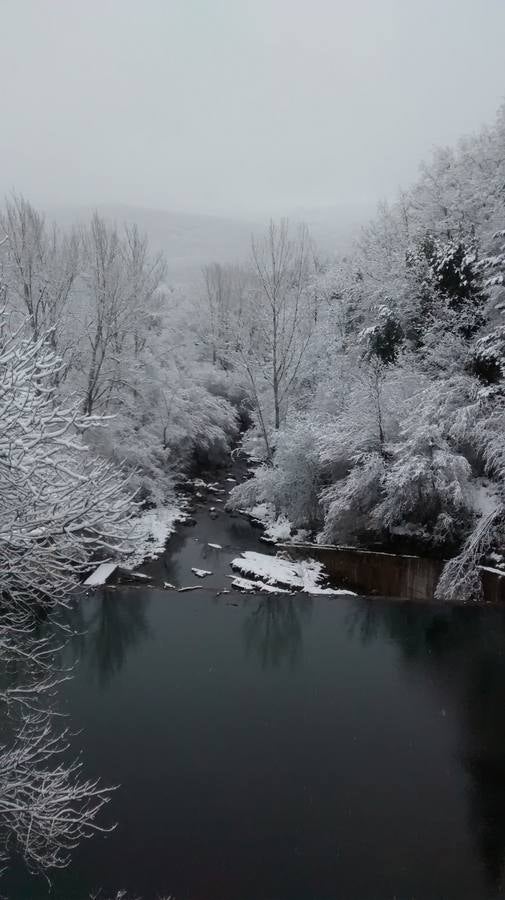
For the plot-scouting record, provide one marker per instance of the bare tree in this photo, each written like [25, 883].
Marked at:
[46, 807]
[225, 288]
[121, 281]
[39, 269]
[278, 322]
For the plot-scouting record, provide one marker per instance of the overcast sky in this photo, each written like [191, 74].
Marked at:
[239, 106]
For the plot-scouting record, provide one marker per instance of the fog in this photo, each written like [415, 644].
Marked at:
[238, 108]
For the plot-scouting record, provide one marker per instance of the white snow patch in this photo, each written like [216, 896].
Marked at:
[215, 546]
[169, 586]
[101, 574]
[496, 557]
[201, 573]
[271, 569]
[262, 512]
[304, 575]
[276, 528]
[150, 532]
[485, 500]
[280, 530]
[311, 572]
[246, 584]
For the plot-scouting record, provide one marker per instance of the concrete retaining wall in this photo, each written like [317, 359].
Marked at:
[388, 574]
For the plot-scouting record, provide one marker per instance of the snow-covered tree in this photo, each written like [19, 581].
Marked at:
[273, 336]
[39, 267]
[60, 503]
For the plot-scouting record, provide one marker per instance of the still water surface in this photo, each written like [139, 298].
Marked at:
[285, 748]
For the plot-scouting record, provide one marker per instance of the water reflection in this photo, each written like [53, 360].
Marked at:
[106, 627]
[274, 629]
[46, 806]
[462, 651]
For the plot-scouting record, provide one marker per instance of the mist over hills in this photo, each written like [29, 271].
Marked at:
[192, 240]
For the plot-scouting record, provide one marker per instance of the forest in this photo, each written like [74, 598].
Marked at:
[367, 388]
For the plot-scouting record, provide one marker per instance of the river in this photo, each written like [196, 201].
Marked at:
[283, 748]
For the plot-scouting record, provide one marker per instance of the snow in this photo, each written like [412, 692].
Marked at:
[496, 557]
[245, 584]
[169, 586]
[280, 530]
[262, 512]
[485, 499]
[150, 532]
[215, 546]
[304, 575]
[268, 568]
[276, 528]
[201, 573]
[101, 574]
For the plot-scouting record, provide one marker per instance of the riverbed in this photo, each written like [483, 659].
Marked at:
[282, 747]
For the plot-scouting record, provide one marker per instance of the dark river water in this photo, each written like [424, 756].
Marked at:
[284, 748]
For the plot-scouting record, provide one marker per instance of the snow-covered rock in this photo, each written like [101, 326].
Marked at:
[150, 532]
[201, 573]
[101, 574]
[303, 575]
[246, 584]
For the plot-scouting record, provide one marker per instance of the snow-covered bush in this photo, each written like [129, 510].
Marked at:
[350, 502]
[426, 492]
[292, 482]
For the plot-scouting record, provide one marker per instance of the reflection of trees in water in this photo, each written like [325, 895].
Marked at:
[463, 651]
[274, 629]
[46, 806]
[106, 628]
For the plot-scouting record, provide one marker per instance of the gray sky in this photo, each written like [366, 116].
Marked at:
[239, 106]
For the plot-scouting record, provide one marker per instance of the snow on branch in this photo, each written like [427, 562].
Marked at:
[61, 505]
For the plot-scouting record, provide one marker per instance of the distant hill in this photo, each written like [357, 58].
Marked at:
[334, 228]
[190, 241]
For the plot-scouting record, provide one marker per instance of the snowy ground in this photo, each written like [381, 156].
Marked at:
[275, 528]
[150, 532]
